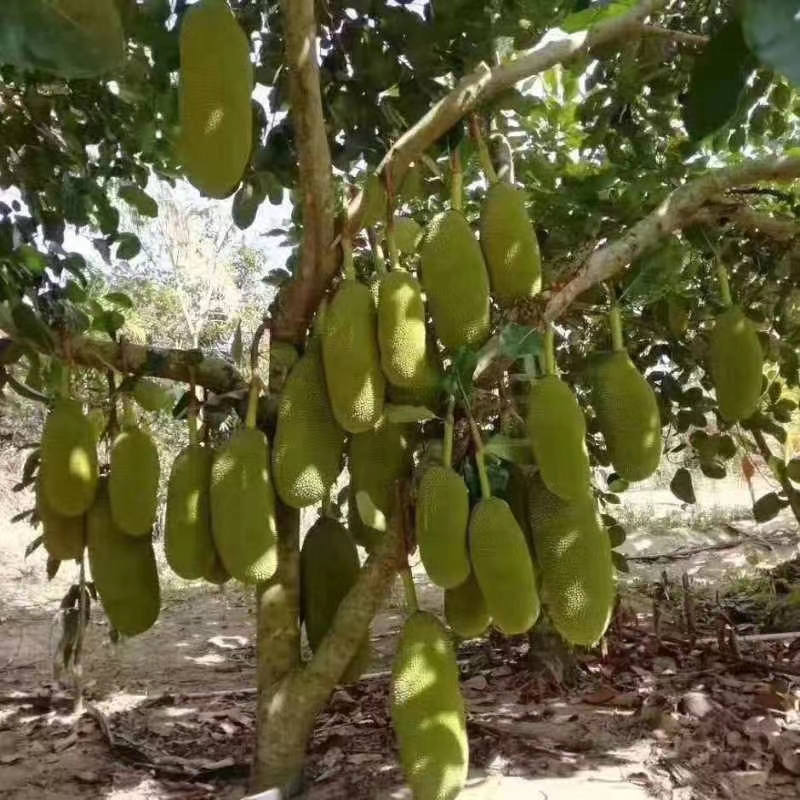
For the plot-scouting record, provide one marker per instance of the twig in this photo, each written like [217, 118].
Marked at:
[756, 637]
[688, 609]
[170, 697]
[688, 552]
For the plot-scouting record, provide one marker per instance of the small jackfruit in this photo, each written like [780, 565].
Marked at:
[123, 569]
[509, 245]
[282, 358]
[628, 416]
[133, 481]
[63, 537]
[188, 543]
[455, 281]
[214, 88]
[502, 565]
[441, 521]
[557, 433]
[428, 710]
[736, 362]
[352, 360]
[374, 201]
[465, 609]
[573, 552]
[407, 233]
[243, 507]
[308, 449]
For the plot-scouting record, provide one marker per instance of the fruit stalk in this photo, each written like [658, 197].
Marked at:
[724, 284]
[447, 444]
[410, 590]
[615, 320]
[480, 461]
[483, 150]
[456, 180]
[347, 259]
[549, 350]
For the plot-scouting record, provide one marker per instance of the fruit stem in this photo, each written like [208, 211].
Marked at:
[480, 461]
[549, 350]
[483, 150]
[191, 416]
[128, 412]
[377, 252]
[347, 259]
[391, 244]
[615, 320]
[456, 180]
[252, 402]
[318, 326]
[447, 444]
[724, 284]
[410, 590]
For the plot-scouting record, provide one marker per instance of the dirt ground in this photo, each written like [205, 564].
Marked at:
[667, 711]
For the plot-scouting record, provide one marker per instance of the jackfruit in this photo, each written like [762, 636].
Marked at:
[736, 362]
[628, 416]
[374, 201]
[441, 521]
[427, 391]
[243, 507]
[68, 470]
[282, 358]
[502, 565]
[509, 245]
[216, 573]
[123, 569]
[465, 609]
[63, 537]
[308, 448]
[428, 710]
[455, 281]
[188, 543]
[557, 433]
[573, 552]
[214, 88]
[151, 396]
[133, 481]
[401, 329]
[352, 361]
[328, 569]
[407, 233]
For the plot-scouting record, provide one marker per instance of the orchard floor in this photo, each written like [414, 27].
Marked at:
[663, 713]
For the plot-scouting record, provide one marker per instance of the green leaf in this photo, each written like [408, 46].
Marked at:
[52, 567]
[33, 544]
[128, 246]
[34, 261]
[119, 299]
[681, 486]
[138, 198]
[772, 31]
[793, 470]
[616, 483]
[30, 326]
[151, 396]
[620, 562]
[617, 535]
[767, 507]
[246, 202]
[509, 449]
[403, 414]
[371, 516]
[581, 20]
[519, 341]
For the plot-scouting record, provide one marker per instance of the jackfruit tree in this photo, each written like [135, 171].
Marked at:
[539, 251]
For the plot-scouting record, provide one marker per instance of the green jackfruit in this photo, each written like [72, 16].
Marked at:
[64, 537]
[503, 568]
[557, 432]
[352, 361]
[455, 281]
[428, 710]
[68, 469]
[573, 552]
[282, 358]
[133, 481]
[123, 569]
[509, 245]
[465, 609]
[628, 416]
[243, 507]
[151, 396]
[441, 521]
[308, 449]
[736, 362]
[328, 569]
[401, 329]
[188, 542]
[407, 233]
[374, 201]
[216, 81]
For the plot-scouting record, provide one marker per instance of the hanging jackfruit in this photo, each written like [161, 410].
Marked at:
[63, 537]
[216, 573]
[133, 481]
[428, 710]
[465, 609]
[374, 201]
[214, 88]
[407, 233]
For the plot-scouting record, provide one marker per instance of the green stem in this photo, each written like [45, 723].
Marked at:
[347, 259]
[480, 461]
[391, 244]
[615, 320]
[456, 181]
[447, 445]
[191, 418]
[724, 284]
[483, 151]
[549, 350]
[410, 590]
[377, 252]
[252, 403]
[128, 412]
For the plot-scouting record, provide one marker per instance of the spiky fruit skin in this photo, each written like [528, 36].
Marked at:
[557, 433]
[328, 569]
[243, 507]
[628, 416]
[133, 481]
[509, 245]
[353, 375]
[123, 569]
[736, 361]
[216, 81]
[428, 710]
[455, 281]
[573, 552]
[401, 329]
[407, 233]
[63, 537]
[68, 470]
[188, 543]
[465, 609]
[441, 520]
[502, 565]
[308, 449]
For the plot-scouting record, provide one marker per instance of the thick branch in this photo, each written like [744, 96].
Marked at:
[693, 39]
[721, 212]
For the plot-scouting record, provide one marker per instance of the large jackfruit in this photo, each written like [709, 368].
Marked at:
[509, 245]
[465, 609]
[442, 517]
[374, 201]
[428, 710]
[736, 362]
[628, 416]
[309, 444]
[557, 433]
[123, 569]
[401, 329]
[328, 569]
[68, 471]
[502, 565]
[133, 481]
[63, 537]
[243, 507]
[188, 543]
[216, 81]
[573, 552]
[455, 281]
[352, 361]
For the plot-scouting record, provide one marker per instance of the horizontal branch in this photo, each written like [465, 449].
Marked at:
[693, 39]
[727, 212]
